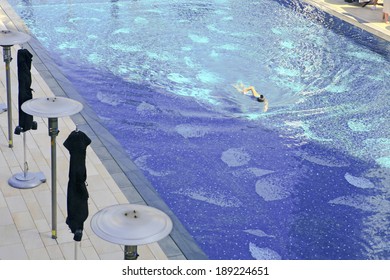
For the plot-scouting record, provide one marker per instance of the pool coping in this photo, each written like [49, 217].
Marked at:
[130, 179]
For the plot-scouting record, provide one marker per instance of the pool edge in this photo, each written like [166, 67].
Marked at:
[353, 17]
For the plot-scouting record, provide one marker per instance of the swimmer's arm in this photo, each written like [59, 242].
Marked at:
[265, 105]
[252, 89]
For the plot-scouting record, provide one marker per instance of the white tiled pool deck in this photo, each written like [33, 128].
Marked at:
[25, 215]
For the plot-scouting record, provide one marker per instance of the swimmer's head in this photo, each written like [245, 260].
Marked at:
[261, 98]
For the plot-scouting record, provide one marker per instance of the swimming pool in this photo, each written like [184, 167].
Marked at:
[309, 179]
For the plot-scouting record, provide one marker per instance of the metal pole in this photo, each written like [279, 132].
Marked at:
[75, 249]
[25, 166]
[7, 59]
[53, 132]
[131, 252]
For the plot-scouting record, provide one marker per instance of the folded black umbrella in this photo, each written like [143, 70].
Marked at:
[77, 194]
[25, 92]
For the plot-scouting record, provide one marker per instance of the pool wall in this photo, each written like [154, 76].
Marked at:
[350, 18]
[357, 29]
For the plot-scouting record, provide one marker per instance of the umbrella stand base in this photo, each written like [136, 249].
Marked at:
[131, 252]
[3, 108]
[27, 180]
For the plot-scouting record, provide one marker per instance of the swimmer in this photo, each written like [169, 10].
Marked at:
[259, 97]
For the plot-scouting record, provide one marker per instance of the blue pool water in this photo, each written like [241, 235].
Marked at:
[309, 179]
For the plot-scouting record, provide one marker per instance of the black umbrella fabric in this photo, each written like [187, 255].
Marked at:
[77, 194]
[25, 92]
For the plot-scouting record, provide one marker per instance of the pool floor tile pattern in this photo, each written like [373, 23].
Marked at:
[25, 215]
